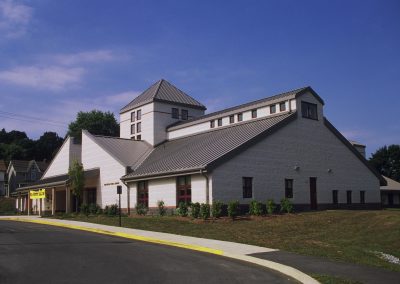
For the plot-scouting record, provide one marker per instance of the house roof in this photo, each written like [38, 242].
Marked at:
[391, 184]
[245, 107]
[23, 166]
[203, 150]
[128, 152]
[3, 167]
[56, 180]
[163, 91]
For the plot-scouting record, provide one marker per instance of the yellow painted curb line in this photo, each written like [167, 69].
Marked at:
[120, 234]
[284, 269]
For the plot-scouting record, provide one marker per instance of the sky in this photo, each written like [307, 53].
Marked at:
[61, 57]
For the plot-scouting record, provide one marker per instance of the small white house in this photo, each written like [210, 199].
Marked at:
[170, 150]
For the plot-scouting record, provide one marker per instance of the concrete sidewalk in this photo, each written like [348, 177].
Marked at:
[228, 249]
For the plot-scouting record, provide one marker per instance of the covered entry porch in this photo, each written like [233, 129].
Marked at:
[58, 198]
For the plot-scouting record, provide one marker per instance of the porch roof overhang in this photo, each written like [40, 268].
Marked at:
[55, 181]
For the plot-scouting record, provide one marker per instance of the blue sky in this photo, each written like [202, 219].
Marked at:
[59, 57]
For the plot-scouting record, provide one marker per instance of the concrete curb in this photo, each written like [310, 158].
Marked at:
[284, 269]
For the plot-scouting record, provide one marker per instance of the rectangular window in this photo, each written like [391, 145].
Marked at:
[139, 137]
[91, 196]
[138, 127]
[183, 190]
[133, 138]
[254, 113]
[231, 119]
[348, 192]
[309, 110]
[133, 128]
[239, 116]
[247, 183]
[335, 199]
[139, 114]
[288, 188]
[282, 106]
[272, 109]
[133, 116]
[212, 123]
[362, 197]
[219, 121]
[143, 193]
[185, 114]
[175, 113]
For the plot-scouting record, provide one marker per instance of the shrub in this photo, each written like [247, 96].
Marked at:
[111, 210]
[255, 208]
[141, 209]
[182, 209]
[94, 208]
[205, 211]
[286, 205]
[271, 206]
[216, 209]
[233, 209]
[195, 213]
[161, 208]
[84, 209]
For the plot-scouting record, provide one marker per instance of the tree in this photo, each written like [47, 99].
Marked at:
[96, 122]
[386, 161]
[47, 146]
[76, 181]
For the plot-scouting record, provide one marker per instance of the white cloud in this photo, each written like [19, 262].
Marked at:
[121, 99]
[94, 56]
[14, 18]
[52, 78]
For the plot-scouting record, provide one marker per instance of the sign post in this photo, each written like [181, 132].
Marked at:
[40, 194]
[119, 192]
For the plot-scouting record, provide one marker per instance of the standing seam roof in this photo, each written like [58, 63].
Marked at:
[198, 151]
[162, 90]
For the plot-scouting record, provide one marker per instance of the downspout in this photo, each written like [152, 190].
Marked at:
[204, 174]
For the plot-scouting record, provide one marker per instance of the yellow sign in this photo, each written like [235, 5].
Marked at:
[41, 193]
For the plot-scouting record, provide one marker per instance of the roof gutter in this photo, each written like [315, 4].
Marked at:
[155, 176]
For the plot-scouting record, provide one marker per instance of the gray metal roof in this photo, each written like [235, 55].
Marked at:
[128, 152]
[202, 150]
[244, 107]
[391, 184]
[57, 180]
[163, 91]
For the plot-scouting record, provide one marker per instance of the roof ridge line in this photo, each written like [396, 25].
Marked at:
[158, 88]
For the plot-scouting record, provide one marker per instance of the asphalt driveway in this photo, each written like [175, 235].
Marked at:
[33, 253]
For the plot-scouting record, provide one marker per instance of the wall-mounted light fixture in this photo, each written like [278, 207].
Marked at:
[296, 168]
[329, 170]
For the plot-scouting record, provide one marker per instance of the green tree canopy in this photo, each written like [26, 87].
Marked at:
[386, 161]
[96, 122]
[47, 145]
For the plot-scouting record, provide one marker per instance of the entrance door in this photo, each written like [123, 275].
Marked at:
[313, 193]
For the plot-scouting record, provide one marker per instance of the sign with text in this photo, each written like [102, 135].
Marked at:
[40, 194]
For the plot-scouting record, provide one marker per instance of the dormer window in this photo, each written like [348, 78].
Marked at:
[133, 116]
[309, 110]
[282, 106]
[231, 119]
[272, 109]
[212, 123]
[33, 174]
[240, 116]
[139, 114]
[175, 113]
[219, 121]
[185, 114]
[254, 113]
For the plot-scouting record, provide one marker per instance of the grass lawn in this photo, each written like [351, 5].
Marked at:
[349, 236]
